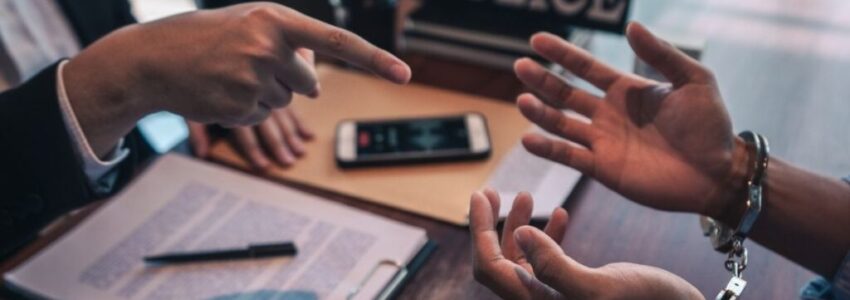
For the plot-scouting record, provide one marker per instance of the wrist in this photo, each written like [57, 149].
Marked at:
[99, 91]
[729, 204]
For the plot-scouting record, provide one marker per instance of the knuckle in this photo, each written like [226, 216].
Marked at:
[563, 125]
[338, 38]
[565, 92]
[263, 43]
[561, 155]
[262, 13]
[377, 59]
[583, 66]
[541, 82]
[260, 49]
[662, 58]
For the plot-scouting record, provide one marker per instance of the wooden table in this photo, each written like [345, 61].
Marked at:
[782, 69]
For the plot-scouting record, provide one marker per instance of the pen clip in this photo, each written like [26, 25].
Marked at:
[397, 279]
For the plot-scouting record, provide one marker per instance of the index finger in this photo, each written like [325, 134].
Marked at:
[303, 31]
[520, 215]
[577, 60]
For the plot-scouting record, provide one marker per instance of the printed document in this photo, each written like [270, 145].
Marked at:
[548, 182]
[181, 204]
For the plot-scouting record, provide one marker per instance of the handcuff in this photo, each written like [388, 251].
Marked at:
[731, 240]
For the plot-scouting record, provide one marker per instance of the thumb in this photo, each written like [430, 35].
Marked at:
[308, 55]
[676, 66]
[551, 266]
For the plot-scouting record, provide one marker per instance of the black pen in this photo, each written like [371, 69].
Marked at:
[252, 251]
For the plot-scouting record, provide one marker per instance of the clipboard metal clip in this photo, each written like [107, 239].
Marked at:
[399, 277]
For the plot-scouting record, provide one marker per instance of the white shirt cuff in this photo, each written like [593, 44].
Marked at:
[96, 169]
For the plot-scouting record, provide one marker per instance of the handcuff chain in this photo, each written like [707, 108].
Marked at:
[736, 260]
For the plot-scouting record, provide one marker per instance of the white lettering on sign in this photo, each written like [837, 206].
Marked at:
[570, 7]
[607, 11]
[610, 15]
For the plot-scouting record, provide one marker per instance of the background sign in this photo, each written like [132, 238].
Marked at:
[523, 17]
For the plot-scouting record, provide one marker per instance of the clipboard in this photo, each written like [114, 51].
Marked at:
[403, 273]
[182, 204]
[440, 191]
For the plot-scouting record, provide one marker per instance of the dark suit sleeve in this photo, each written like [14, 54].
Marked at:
[124, 13]
[41, 175]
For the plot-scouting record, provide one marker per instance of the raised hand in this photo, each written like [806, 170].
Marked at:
[668, 146]
[279, 139]
[230, 66]
[530, 264]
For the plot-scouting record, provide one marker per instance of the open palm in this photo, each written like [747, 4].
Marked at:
[665, 145]
[530, 264]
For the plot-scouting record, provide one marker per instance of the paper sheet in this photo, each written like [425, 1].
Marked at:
[520, 171]
[182, 204]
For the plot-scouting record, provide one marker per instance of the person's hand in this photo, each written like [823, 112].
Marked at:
[281, 135]
[230, 66]
[668, 146]
[279, 138]
[530, 264]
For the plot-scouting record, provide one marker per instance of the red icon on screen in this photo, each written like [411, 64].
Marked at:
[363, 139]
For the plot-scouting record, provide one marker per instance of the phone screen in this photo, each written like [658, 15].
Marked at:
[412, 136]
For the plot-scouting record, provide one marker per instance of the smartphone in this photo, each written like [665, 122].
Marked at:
[411, 141]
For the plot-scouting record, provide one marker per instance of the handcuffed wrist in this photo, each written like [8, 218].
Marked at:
[735, 221]
[728, 206]
[730, 239]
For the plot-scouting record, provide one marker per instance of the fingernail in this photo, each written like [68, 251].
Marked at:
[316, 91]
[297, 149]
[400, 73]
[534, 105]
[523, 238]
[629, 26]
[477, 194]
[537, 104]
[261, 165]
[288, 160]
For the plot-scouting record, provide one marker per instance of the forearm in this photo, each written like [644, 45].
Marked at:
[806, 217]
